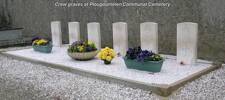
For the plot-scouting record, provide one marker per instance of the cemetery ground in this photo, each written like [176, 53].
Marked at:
[63, 78]
[25, 80]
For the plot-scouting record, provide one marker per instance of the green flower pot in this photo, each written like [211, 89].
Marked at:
[43, 49]
[150, 66]
[107, 62]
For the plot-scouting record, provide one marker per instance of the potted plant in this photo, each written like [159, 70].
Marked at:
[81, 50]
[41, 45]
[107, 54]
[145, 60]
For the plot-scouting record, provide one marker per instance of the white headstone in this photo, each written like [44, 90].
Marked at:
[187, 39]
[120, 37]
[74, 31]
[149, 36]
[94, 34]
[56, 33]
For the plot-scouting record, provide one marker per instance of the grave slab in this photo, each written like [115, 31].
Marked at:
[171, 77]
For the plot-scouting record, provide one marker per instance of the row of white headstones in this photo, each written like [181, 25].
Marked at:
[187, 36]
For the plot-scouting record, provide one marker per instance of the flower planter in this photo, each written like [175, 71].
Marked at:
[83, 55]
[151, 66]
[43, 49]
[107, 62]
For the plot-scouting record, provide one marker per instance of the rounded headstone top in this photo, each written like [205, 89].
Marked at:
[93, 23]
[149, 23]
[120, 23]
[75, 22]
[187, 23]
[56, 22]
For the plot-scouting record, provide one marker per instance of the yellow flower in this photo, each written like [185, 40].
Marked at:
[81, 48]
[108, 58]
[103, 57]
[38, 42]
[107, 48]
[35, 41]
[41, 42]
[99, 55]
[90, 43]
[107, 54]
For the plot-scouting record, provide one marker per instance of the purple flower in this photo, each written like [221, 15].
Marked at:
[88, 48]
[132, 53]
[35, 38]
[144, 55]
[78, 43]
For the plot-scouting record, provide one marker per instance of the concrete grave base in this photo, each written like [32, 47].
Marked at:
[172, 76]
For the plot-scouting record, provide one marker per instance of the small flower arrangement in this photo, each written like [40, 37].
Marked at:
[145, 60]
[132, 53]
[41, 42]
[107, 54]
[41, 45]
[82, 50]
[81, 46]
[142, 55]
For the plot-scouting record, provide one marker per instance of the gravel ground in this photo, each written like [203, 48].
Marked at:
[21, 80]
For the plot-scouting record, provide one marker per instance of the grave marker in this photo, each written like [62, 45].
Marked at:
[149, 36]
[94, 33]
[120, 37]
[187, 38]
[56, 33]
[74, 31]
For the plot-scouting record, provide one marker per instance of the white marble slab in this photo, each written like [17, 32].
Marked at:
[171, 72]
[94, 34]
[187, 39]
[74, 31]
[120, 37]
[149, 36]
[56, 33]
